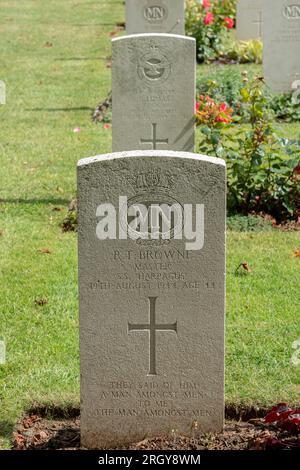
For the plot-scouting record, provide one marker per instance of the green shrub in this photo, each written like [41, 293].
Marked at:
[249, 223]
[243, 52]
[208, 22]
[263, 169]
[225, 83]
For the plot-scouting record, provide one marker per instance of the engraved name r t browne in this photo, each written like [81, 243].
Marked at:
[154, 141]
[152, 327]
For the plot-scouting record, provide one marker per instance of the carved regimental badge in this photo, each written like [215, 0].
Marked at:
[154, 67]
[152, 192]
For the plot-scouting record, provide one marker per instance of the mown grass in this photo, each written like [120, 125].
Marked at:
[54, 63]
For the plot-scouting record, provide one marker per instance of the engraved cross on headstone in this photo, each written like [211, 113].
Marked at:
[152, 327]
[154, 139]
[259, 22]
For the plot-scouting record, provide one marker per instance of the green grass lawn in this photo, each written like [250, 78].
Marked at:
[54, 63]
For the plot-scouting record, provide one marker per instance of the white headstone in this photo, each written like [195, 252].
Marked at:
[2, 92]
[249, 21]
[151, 309]
[153, 90]
[282, 44]
[2, 352]
[155, 16]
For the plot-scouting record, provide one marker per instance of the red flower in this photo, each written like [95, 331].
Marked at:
[297, 169]
[206, 3]
[209, 18]
[229, 22]
[106, 126]
[224, 119]
[211, 113]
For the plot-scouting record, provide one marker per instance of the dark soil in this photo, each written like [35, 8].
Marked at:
[35, 432]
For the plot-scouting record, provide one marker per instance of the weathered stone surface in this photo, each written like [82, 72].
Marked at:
[249, 21]
[153, 83]
[281, 44]
[151, 311]
[155, 16]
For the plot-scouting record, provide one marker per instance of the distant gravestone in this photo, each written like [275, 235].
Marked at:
[249, 21]
[2, 92]
[2, 352]
[153, 89]
[159, 16]
[151, 300]
[282, 44]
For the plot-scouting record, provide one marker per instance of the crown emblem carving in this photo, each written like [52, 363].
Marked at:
[154, 180]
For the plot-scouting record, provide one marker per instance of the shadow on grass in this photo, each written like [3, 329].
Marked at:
[65, 59]
[58, 110]
[6, 429]
[55, 201]
[52, 411]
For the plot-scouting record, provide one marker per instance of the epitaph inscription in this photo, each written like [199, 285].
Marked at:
[151, 316]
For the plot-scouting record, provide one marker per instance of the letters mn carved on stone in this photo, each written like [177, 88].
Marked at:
[155, 16]
[155, 13]
[292, 12]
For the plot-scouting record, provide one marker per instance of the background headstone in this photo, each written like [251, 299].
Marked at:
[249, 20]
[281, 44]
[2, 352]
[151, 314]
[2, 92]
[159, 16]
[153, 90]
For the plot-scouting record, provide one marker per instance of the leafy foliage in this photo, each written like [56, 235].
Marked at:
[209, 22]
[249, 223]
[243, 52]
[262, 168]
[225, 83]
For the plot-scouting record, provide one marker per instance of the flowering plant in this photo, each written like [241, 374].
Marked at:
[208, 21]
[262, 168]
[211, 113]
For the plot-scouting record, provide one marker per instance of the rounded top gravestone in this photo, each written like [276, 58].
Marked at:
[152, 289]
[153, 90]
